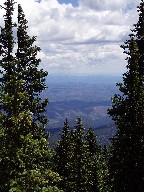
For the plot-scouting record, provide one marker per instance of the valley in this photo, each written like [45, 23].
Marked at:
[87, 97]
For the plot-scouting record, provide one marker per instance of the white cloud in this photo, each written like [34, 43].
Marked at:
[82, 39]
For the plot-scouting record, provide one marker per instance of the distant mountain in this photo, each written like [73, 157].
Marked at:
[88, 97]
[103, 133]
[83, 79]
[94, 114]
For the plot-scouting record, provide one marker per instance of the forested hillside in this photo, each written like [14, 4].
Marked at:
[88, 98]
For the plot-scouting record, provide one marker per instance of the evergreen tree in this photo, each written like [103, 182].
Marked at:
[104, 183]
[62, 157]
[93, 157]
[71, 159]
[25, 154]
[78, 174]
[80, 161]
[27, 69]
[127, 152]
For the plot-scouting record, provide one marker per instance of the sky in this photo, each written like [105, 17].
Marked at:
[80, 36]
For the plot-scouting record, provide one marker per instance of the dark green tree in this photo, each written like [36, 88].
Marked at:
[78, 174]
[27, 70]
[104, 183]
[71, 160]
[80, 161]
[93, 157]
[127, 151]
[62, 157]
[25, 161]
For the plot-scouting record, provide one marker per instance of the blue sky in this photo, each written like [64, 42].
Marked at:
[73, 2]
[82, 36]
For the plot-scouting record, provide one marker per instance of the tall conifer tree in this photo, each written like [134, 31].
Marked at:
[93, 151]
[127, 152]
[27, 69]
[71, 159]
[78, 160]
[62, 157]
[25, 154]
[104, 183]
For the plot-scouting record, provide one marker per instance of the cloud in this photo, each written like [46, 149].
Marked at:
[109, 5]
[82, 39]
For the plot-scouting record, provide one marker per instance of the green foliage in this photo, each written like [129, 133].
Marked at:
[92, 158]
[62, 157]
[25, 157]
[35, 172]
[77, 160]
[78, 174]
[27, 69]
[104, 183]
[127, 159]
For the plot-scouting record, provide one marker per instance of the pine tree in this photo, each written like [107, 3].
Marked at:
[71, 159]
[78, 174]
[25, 162]
[7, 95]
[80, 161]
[104, 183]
[62, 157]
[127, 152]
[93, 157]
[27, 69]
